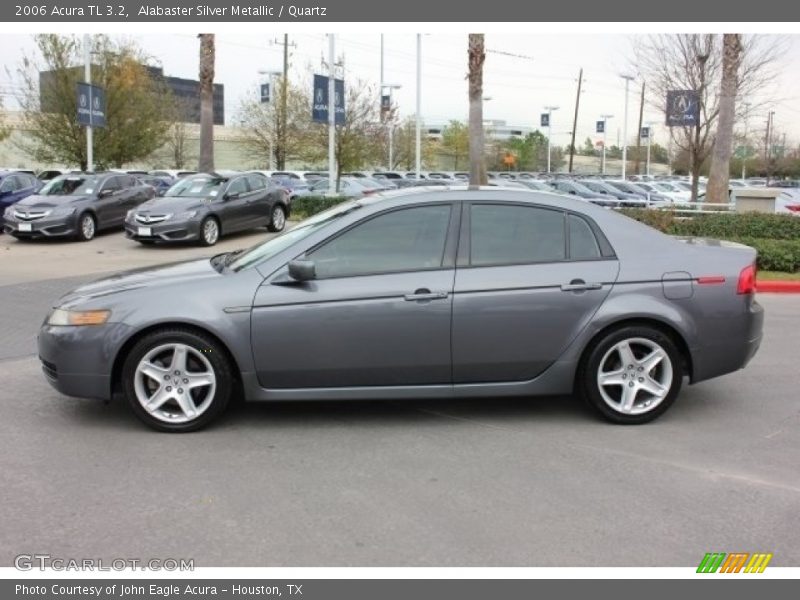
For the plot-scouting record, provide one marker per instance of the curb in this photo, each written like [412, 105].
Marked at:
[778, 287]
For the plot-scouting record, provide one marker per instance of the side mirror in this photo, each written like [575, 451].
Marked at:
[572, 192]
[105, 193]
[230, 196]
[302, 270]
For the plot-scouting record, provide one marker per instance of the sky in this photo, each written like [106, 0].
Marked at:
[522, 74]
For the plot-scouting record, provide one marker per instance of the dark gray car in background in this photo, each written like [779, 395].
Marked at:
[205, 206]
[76, 205]
[427, 293]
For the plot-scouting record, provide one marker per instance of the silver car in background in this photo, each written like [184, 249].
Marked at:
[434, 293]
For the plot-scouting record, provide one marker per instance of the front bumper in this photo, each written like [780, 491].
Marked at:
[78, 361]
[46, 227]
[165, 231]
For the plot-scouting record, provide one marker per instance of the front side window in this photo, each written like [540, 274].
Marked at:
[410, 239]
[502, 234]
[238, 186]
[257, 182]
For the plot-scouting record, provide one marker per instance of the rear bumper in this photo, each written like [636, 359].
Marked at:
[731, 353]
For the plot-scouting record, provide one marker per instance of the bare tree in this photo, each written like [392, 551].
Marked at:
[717, 191]
[477, 56]
[177, 145]
[207, 56]
[694, 62]
[269, 132]
[5, 130]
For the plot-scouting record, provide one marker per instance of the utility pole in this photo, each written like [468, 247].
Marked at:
[767, 140]
[418, 133]
[628, 79]
[639, 135]
[575, 118]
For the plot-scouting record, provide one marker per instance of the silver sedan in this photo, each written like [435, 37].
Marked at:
[426, 293]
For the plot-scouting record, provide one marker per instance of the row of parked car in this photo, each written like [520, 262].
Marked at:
[196, 206]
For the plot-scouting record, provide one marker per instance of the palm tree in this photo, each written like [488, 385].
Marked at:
[723, 145]
[206, 102]
[477, 55]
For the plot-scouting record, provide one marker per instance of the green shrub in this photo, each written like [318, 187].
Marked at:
[305, 206]
[721, 226]
[775, 255]
[776, 238]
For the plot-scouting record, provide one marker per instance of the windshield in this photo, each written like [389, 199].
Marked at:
[580, 187]
[263, 251]
[197, 187]
[72, 185]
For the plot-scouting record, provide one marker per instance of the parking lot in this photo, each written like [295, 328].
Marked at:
[490, 482]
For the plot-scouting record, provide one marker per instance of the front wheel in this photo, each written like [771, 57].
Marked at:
[277, 220]
[209, 231]
[631, 375]
[87, 227]
[177, 380]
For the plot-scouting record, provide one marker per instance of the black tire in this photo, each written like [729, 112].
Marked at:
[205, 238]
[602, 353]
[203, 346]
[86, 231]
[277, 218]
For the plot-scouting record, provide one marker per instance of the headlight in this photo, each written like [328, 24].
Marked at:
[129, 214]
[61, 212]
[185, 215]
[78, 317]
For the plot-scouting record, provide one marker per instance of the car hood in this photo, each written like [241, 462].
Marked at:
[37, 201]
[171, 204]
[174, 274]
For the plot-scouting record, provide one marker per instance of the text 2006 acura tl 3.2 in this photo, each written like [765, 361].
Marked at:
[432, 293]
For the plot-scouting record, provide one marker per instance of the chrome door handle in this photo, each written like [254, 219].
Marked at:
[425, 295]
[580, 286]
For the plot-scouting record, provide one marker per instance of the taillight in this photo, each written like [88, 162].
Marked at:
[795, 208]
[747, 280]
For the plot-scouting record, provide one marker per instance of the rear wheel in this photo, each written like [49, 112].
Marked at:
[277, 220]
[177, 380]
[631, 375]
[87, 227]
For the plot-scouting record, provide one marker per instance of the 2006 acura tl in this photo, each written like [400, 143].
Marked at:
[432, 293]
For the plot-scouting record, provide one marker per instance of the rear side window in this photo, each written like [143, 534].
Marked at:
[582, 241]
[505, 235]
[410, 239]
[256, 182]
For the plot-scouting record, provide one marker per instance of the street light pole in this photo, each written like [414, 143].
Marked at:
[628, 79]
[549, 110]
[87, 73]
[605, 129]
[418, 140]
[331, 116]
[744, 145]
[389, 124]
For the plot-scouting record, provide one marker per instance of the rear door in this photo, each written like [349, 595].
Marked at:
[528, 280]
[258, 200]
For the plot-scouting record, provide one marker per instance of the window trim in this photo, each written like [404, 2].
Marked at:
[448, 252]
[464, 260]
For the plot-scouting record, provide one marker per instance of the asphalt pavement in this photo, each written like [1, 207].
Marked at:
[490, 482]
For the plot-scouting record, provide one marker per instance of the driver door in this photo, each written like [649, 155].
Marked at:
[377, 314]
